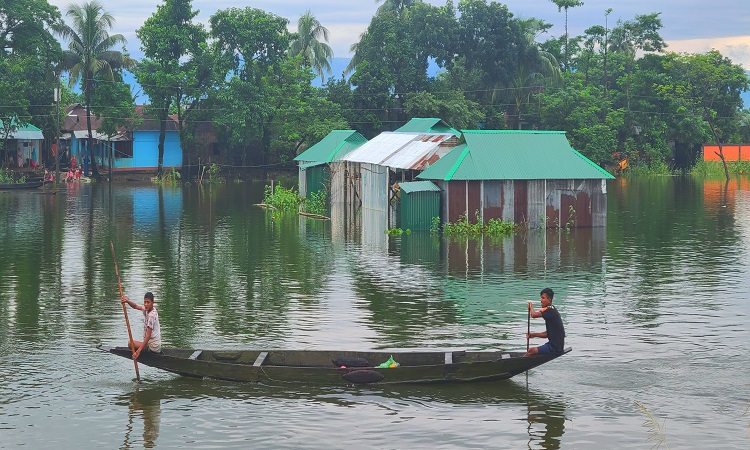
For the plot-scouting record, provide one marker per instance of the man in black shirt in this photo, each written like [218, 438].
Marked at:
[555, 331]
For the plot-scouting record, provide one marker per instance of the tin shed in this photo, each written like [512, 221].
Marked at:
[419, 203]
[524, 176]
[314, 172]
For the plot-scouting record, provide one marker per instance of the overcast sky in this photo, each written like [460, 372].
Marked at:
[689, 25]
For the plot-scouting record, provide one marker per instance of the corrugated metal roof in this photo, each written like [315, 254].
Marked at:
[84, 134]
[306, 166]
[399, 150]
[418, 186]
[514, 155]
[333, 146]
[427, 125]
[26, 132]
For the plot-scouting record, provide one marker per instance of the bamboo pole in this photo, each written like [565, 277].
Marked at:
[125, 312]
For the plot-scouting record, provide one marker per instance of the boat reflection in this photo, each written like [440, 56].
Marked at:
[544, 417]
[507, 405]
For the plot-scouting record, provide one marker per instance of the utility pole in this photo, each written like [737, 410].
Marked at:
[58, 96]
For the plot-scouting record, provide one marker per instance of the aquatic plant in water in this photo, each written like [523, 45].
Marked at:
[281, 198]
[315, 203]
[656, 430]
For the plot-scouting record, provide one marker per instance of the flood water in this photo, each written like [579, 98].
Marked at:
[654, 307]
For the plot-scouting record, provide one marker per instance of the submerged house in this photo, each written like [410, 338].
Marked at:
[314, 172]
[524, 176]
[368, 177]
[371, 173]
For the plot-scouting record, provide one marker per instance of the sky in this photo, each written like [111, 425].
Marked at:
[689, 26]
[692, 26]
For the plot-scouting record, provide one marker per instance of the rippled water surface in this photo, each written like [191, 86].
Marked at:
[654, 307]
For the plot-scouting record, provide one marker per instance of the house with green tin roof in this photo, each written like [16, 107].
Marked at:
[427, 125]
[525, 176]
[314, 170]
[23, 144]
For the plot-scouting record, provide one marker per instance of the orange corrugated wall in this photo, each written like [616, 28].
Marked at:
[731, 152]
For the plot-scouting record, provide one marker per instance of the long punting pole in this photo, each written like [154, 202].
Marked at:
[125, 312]
[528, 325]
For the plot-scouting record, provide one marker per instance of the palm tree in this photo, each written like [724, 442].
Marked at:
[536, 70]
[315, 54]
[565, 4]
[90, 53]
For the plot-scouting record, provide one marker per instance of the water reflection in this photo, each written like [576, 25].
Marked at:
[144, 404]
[544, 416]
[502, 407]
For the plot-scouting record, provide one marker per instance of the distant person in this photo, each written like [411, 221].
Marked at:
[33, 156]
[86, 162]
[70, 175]
[151, 329]
[555, 331]
[73, 162]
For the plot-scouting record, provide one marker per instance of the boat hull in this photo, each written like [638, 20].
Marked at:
[318, 367]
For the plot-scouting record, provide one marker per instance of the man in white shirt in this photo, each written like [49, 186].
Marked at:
[151, 328]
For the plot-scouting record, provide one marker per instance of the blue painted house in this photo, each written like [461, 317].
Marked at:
[130, 149]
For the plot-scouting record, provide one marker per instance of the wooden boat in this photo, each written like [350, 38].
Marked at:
[339, 367]
[26, 185]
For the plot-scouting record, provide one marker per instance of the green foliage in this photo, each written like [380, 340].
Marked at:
[716, 168]
[171, 177]
[315, 203]
[213, 173]
[397, 231]
[463, 228]
[281, 198]
[656, 167]
[7, 176]
[435, 226]
[451, 106]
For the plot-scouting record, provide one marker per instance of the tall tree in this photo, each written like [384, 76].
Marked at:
[307, 43]
[396, 6]
[566, 4]
[536, 70]
[170, 42]
[90, 53]
[257, 42]
[632, 36]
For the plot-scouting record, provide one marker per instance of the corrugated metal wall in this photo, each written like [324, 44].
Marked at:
[302, 182]
[418, 208]
[374, 193]
[338, 182]
[317, 179]
[534, 203]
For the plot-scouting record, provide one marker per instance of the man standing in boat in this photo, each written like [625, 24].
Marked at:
[555, 331]
[151, 328]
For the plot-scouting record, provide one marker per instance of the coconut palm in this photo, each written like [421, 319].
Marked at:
[307, 42]
[536, 70]
[566, 4]
[90, 53]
